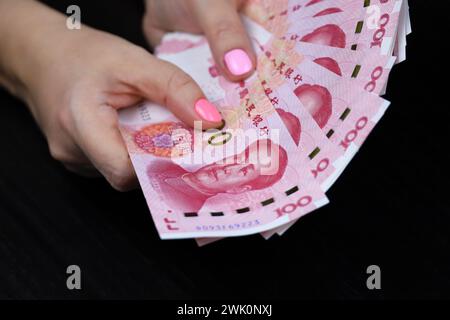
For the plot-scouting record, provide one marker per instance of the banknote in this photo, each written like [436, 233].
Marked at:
[408, 20]
[368, 70]
[212, 184]
[327, 7]
[404, 30]
[242, 189]
[345, 113]
[351, 24]
[325, 159]
[290, 129]
[300, 92]
[335, 104]
[304, 130]
[302, 127]
[309, 137]
[176, 42]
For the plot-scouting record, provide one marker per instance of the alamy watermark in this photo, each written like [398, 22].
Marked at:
[374, 280]
[73, 22]
[73, 281]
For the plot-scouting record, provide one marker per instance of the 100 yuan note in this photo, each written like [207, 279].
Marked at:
[313, 85]
[328, 99]
[327, 8]
[240, 188]
[345, 113]
[351, 26]
[232, 192]
[198, 62]
[330, 7]
[304, 130]
[369, 70]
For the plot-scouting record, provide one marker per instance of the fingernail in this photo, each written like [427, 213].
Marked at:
[220, 127]
[238, 62]
[207, 111]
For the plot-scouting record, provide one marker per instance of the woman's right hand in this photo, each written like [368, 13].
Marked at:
[74, 81]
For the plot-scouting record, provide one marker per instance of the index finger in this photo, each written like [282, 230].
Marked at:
[228, 39]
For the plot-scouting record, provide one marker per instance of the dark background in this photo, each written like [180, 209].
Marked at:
[390, 208]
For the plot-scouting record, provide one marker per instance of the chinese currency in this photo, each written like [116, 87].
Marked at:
[290, 129]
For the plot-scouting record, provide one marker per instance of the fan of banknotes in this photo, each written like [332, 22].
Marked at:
[290, 129]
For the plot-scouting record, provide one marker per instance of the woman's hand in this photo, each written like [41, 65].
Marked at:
[220, 22]
[74, 81]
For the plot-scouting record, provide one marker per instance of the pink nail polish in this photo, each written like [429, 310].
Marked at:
[207, 111]
[238, 62]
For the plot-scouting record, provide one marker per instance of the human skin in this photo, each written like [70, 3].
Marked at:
[75, 81]
[218, 20]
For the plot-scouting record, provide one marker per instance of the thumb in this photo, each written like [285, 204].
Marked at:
[164, 83]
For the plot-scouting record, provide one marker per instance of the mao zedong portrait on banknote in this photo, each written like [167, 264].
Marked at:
[259, 166]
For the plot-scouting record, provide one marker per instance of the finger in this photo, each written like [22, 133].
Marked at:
[97, 134]
[152, 34]
[65, 149]
[164, 83]
[228, 39]
[168, 16]
[159, 14]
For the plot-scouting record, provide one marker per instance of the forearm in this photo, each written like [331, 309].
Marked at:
[27, 30]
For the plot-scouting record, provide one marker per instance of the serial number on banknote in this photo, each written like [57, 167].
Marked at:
[234, 226]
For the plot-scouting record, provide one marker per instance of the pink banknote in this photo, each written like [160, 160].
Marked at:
[334, 102]
[212, 184]
[231, 192]
[326, 162]
[302, 127]
[351, 24]
[321, 151]
[327, 7]
[404, 29]
[325, 159]
[176, 42]
[326, 104]
[368, 70]
[345, 113]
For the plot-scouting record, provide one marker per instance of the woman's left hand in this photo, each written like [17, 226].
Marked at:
[218, 20]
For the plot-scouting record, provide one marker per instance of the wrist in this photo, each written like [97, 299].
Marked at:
[29, 33]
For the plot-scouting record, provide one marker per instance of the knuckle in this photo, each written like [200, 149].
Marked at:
[58, 153]
[178, 80]
[225, 28]
[121, 176]
[239, 4]
[64, 119]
